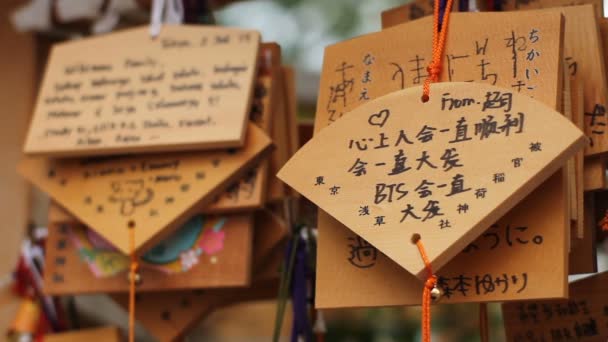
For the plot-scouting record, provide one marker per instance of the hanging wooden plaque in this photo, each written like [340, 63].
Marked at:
[216, 253]
[156, 193]
[190, 88]
[350, 271]
[170, 315]
[460, 162]
[271, 229]
[581, 317]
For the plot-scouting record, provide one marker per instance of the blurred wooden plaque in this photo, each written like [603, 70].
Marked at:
[156, 193]
[190, 88]
[219, 254]
[581, 317]
[170, 315]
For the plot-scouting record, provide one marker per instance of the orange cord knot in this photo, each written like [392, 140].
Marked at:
[431, 282]
[439, 39]
[434, 69]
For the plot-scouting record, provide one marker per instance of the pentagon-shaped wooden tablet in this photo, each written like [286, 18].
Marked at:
[396, 168]
[157, 193]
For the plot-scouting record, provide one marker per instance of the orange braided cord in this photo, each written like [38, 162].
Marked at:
[132, 275]
[439, 38]
[429, 285]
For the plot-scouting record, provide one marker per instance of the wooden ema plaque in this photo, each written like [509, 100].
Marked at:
[225, 260]
[157, 193]
[441, 177]
[190, 88]
[269, 232]
[513, 260]
[108, 334]
[170, 315]
[343, 279]
[378, 63]
[575, 171]
[581, 317]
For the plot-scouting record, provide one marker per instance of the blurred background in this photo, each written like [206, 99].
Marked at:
[303, 28]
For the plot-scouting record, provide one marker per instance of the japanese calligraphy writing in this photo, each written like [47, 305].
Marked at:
[362, 254]
[481, 37]
[505, 236]
[464, 285]
[423, 174]
[523, 47]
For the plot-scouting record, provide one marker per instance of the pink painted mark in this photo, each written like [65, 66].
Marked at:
[212, 241]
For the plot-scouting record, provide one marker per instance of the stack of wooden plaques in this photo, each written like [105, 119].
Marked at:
[582, 315]
[554, 55]
[177, 138]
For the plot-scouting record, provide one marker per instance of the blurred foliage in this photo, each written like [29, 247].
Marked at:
[305, 27]
[450, 323]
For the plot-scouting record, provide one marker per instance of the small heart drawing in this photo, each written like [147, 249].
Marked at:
[379, 119]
